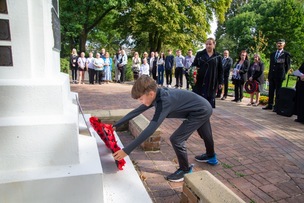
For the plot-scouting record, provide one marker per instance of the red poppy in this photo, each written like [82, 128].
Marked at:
[106, 133]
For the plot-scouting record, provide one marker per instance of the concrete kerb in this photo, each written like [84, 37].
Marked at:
[202, 186]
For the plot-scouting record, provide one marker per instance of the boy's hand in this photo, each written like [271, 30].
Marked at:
[119, 155]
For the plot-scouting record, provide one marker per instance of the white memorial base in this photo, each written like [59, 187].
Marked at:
[75, 183]
[43, 157]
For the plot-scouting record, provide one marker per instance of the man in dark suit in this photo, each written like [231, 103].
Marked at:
[227, 64]
[279, 66]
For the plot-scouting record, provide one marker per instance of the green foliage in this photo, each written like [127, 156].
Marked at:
[257, 25]
[238, 174]
[64, 65]
[129, 73]
[183, 24]
[79, 18]
[227, 166]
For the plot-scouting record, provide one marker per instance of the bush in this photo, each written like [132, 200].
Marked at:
[263, 100]
[64, 65]
[129, 73]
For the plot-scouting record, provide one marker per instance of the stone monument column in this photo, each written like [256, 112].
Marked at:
[43, 158]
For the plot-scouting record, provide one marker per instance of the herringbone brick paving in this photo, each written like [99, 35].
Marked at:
[260, 153]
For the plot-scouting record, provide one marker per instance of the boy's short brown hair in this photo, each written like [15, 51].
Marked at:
[143, 85]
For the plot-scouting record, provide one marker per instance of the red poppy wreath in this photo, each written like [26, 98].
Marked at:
[106, 133]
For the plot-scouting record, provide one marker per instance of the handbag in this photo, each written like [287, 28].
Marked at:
[251, 86]
[119, 65]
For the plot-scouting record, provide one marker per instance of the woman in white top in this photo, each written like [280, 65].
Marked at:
[98, 64]
[91, 68]
[144, 68]
[82, 66]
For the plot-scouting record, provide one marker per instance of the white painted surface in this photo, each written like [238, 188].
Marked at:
[123, 186]
[75, 183]
[42, 156]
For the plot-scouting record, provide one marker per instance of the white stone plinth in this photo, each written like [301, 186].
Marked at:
[77, 183]
[42, 156]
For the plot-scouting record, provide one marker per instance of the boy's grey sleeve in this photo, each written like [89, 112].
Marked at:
[131, 115]
[161, 113]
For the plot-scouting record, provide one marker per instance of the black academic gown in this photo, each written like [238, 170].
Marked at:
[300, 97]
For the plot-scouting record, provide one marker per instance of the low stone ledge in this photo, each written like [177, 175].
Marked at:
[203, 187]
[137, 125]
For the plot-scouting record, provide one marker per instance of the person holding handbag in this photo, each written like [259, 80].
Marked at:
[256, 73]
[122, 65]
[239, 76]
[136, 61]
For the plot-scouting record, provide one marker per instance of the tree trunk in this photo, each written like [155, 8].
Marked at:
[159, 44]
[82, 41]
[155, 41]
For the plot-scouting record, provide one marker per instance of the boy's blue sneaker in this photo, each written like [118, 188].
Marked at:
[178, 175]
[204, 158]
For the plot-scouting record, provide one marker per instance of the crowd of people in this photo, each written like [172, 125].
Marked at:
[210, 73]
[209, 70]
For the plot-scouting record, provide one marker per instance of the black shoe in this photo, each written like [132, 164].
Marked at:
[223, 98]
[268, 107]
[234, 100]
[178, 175]
[299, 121]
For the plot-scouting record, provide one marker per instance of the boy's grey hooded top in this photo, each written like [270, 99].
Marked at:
[169, 103]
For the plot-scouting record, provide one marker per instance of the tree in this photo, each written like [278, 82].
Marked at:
[223, 39]
[285, 20]
[80, 17]
[272, 19]
[183, 24]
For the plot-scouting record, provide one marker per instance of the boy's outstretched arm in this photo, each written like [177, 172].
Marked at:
[120, 154]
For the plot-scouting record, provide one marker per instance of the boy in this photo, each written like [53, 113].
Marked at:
[172, 103]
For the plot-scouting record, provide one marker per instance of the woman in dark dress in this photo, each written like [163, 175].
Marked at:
[300, 96]
[74, 65]
[256, 73]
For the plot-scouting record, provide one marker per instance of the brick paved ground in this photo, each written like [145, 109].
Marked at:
[261, 154]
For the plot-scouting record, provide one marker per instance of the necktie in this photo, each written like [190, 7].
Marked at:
[224, 62]
[277, 55]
